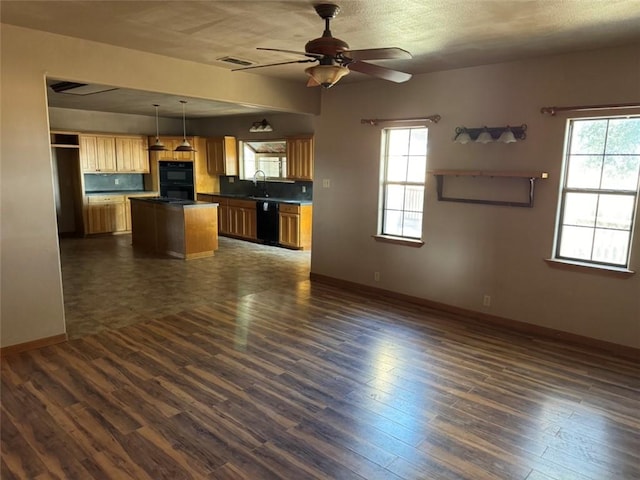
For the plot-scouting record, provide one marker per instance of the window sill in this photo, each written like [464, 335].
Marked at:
[617, 272]
[407, 242]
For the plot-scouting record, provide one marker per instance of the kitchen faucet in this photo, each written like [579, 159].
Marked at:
[264, 179]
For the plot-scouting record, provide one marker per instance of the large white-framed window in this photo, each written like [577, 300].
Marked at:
[599, 198]
[402, 185]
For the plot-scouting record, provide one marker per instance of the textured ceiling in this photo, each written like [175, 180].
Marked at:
[441, 34]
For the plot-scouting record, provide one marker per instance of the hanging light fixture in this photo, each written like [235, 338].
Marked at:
[185, 146]
[262, 126]
[158, 146]
[506, 134]
[326, 75]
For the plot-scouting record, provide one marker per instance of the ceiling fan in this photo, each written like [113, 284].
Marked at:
[334, 58]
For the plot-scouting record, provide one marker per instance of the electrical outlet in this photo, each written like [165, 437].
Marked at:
[326, 183]
[304, 189]
[486, 300]
[376, 276]
[117, 180]
[232, 180]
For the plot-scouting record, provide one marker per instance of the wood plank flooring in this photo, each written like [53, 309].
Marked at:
[305, 381]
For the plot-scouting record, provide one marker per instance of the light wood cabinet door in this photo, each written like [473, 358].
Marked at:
[106, 218]
[97, 154]
[132, 155]
[222, 156]
[289, 230]
[300, 158]
[242, 222]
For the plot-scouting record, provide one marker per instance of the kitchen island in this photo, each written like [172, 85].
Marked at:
[180, 228]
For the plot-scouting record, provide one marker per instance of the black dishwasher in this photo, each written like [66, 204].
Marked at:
[267, 222]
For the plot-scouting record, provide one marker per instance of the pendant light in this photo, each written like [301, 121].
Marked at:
[185, 146]
[158, 146]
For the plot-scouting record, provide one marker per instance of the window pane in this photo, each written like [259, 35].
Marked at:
[414, 198]
[580, 209]
[584, 171]
[397, 169]
[588, 136]
[412, 225]
[615, 211]
[418, 145]
[392, 222]
[395, 197]
[624, 136]
[621, 172]
[576, 242]
[417, 169]
[398, 142]
[610, 246]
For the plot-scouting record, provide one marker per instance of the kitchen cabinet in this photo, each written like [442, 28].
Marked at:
[132, 155]
[222, 156]
[295, 226]
[241, 219]
[113, 154]
[97, 154]
[105, 214]
[300, 158]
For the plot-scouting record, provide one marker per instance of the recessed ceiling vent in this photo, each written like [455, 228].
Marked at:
[75, 88]
[235, 61]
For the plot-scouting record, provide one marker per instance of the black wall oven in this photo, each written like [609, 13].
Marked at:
[176, 180]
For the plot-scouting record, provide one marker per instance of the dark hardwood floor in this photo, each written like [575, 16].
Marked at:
[305, 381]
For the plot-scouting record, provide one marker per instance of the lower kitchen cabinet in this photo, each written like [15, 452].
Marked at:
[105, 214]
[295, 226]
[242, 219]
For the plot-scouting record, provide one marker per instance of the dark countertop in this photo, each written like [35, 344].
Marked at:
[123, 192]
[173, 202]
[242, 196]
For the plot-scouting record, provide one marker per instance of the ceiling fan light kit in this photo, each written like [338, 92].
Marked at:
[334, 58]
[326, 75]
[507, 134]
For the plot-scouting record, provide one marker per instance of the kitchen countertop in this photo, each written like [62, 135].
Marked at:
[242, 196]
[173, 202]
[123, 192]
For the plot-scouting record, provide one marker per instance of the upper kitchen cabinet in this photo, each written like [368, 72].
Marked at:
[111, 154]
[170, 154]
[97, 153]
[222, 156]
[132, 155]
[300, 157]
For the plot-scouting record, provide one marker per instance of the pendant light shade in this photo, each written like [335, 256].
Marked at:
[327, 75]
[158, 146]
[484, 137]
[185, 146]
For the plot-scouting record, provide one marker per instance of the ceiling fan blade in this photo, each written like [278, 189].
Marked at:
[392, 53]
[380, 72]
[306, 54]
[274, 64]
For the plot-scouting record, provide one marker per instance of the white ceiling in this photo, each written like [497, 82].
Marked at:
[441, 34]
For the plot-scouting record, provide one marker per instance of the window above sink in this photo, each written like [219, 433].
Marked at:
[268, 156]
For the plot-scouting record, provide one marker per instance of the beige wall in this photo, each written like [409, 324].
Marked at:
[473, 250]
[32, 302]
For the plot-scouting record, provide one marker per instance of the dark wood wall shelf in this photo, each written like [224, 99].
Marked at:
[531, 176]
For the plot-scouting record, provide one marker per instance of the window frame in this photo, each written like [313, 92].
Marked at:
[564, 190]
[384, 183]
